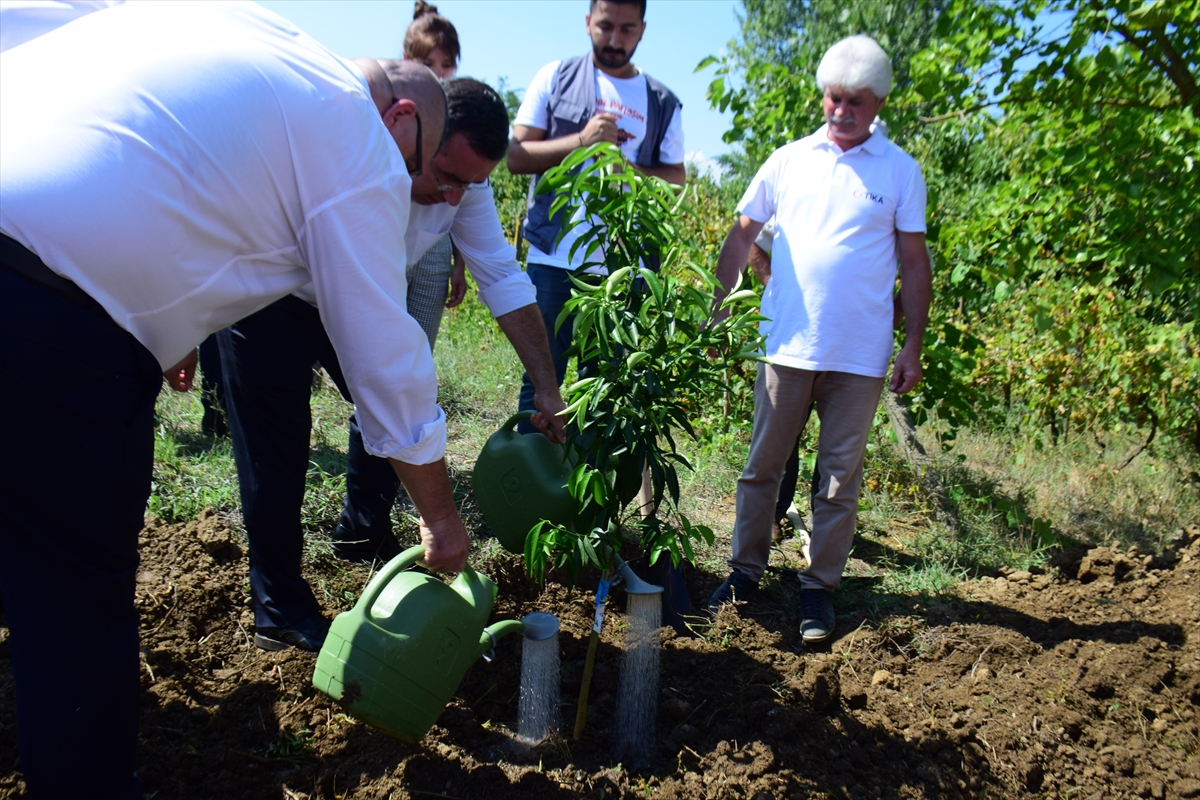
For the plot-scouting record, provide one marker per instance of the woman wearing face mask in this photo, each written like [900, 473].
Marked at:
[432, 40]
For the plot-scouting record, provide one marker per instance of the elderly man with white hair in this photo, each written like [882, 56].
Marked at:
[848, 204]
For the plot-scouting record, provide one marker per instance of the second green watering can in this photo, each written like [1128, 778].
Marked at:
[396, 658]
[521, 480]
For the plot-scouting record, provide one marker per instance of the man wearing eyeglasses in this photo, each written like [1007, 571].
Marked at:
[268, 360]
[191, 184]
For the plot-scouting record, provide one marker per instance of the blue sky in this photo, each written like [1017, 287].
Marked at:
[515, 38]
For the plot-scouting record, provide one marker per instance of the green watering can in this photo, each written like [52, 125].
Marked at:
[396, 658]
[522, 480]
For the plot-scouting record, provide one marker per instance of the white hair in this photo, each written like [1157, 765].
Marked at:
[854, 63]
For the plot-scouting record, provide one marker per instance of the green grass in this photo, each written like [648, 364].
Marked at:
[1077, 486]
[192, 472]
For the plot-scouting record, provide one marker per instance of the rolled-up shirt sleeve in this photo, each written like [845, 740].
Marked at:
[476, 230]
[353, 245]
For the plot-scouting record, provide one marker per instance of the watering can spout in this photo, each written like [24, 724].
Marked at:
[493, 634]
[536, 626]
[634, 584]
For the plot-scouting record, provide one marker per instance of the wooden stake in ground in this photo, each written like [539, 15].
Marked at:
[588, 666]
[589, 663]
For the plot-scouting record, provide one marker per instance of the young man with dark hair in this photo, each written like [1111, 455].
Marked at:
[478, 113]
[597, 97]
[269, 357]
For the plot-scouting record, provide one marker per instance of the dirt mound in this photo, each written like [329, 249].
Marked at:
[1084, 683]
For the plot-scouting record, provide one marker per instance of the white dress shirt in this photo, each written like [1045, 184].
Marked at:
[219, 159]
[22, 20]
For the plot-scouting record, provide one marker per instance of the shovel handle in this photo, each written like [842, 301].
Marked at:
[390, 570]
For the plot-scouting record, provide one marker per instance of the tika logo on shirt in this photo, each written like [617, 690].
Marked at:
[863, 193]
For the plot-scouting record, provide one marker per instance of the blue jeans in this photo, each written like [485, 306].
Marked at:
[553, 291]
[79, 390]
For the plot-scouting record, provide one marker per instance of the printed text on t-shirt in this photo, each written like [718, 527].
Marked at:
[863, 193]
[619, 109]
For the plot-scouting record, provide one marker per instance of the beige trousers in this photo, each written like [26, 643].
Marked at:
[782, 398]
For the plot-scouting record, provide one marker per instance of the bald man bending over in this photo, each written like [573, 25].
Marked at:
[191, 185]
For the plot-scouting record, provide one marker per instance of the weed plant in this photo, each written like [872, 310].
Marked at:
[1078, 486]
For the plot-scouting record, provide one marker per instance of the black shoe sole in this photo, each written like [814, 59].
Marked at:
[270, 645]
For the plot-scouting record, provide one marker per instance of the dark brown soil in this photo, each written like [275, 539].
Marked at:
[1083, 683]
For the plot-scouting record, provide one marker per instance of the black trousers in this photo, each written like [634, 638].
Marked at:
[267, 361]
[76, 475]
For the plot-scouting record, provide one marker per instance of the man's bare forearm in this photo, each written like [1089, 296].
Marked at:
[734, 254]
[916, 287]
[525, 331]
[524, 328]
[429, 487]
[442, 531]
[671, 173]
[760, 262]
[532, 157]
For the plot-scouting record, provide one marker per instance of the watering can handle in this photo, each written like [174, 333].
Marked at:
[520, 416]
[393, 568]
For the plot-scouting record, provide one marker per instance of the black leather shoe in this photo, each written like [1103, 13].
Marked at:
[737, 588]
[307, 635]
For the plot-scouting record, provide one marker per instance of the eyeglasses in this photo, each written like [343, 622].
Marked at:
[415, 172]
[446, 185]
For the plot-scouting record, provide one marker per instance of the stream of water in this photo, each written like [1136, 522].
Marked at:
[537, 713]
[637, 697]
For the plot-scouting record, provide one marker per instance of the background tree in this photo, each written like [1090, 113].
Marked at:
[1082, 254]
[1058, 140]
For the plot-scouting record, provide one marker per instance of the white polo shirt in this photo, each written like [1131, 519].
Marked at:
[220, 159]
[833, 261]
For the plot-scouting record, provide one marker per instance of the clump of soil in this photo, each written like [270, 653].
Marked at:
[1081, 683]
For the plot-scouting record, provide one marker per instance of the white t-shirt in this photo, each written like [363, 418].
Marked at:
[22, 20]
[220, 159]
[625, 98]
[833, 263]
